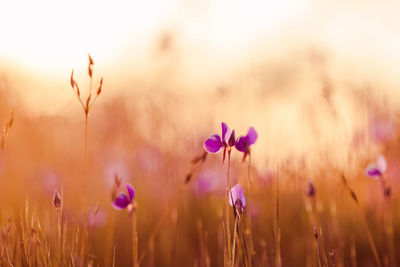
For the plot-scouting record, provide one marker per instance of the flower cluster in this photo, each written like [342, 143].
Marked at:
[226, 141]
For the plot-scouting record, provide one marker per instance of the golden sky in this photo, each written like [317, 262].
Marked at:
[209, 42]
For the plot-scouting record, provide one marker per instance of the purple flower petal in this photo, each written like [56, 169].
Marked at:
[121, 202]
[235, 194]
[226, 132]
[373, 171]
[131, 192]
[213, 144]
[251, 136]
[232, 139]
[241, 144]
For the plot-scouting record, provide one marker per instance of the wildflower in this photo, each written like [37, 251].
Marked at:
[310, 191]
[215, 143]
[236, 197]
[376, 170]
[243, 143]
[122, 201]
[56, 200]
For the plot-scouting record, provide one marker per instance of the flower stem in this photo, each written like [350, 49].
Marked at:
[134, 240]
[228, 235]
[234, 240]
[84, 199]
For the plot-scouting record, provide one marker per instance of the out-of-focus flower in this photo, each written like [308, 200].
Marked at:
[207, 182]
[56, 200]
[310, 191]
[237, 198]
[376, 170]
[382, 130]
[243, 143]
[122, 201]
[215, 143]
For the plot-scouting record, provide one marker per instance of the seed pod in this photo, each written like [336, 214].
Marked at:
[90, 66]
[72, 79]
[100, 86]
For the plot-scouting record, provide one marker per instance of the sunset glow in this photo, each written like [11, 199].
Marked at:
[200, 133]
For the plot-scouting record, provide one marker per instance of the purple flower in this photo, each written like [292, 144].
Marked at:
[56, 200]
[376, 170]
[310, 191]
[122, 201]
[243, 143]
[215, 143]
[236, 197]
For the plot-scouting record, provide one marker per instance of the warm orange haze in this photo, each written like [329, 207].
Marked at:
[118, 146]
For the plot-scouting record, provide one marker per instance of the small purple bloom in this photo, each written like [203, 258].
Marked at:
[243, 143]
[376, 170]
[215, 143]
[236, 197]
[310, 191]
[122, 201]
[56, 200]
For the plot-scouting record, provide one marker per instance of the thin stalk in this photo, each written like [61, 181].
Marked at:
[249, 253]
[84, 197]
[194, 163]
[234, 240]
[134, 240]
[388, 223]
[278, 261]
[317, 246]
[227, 208]
[248, 176]
[164, 216]
[364, 220]
[109, 240]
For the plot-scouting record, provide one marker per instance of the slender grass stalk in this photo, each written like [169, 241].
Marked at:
[84, 188]
[315, 231]
[86, 109]
[365, 223]
[109, 240]
[387, 220]
[235, 236]
[134, 238]
[194, 163]
[60, 223]
[277, 232]
[113, 257]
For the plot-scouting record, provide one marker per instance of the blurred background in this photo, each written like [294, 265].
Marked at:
[317, 79]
